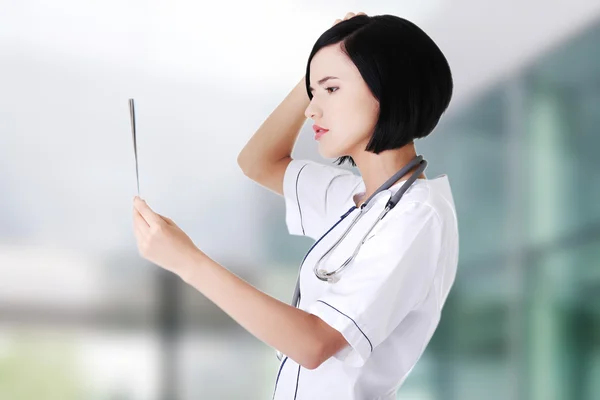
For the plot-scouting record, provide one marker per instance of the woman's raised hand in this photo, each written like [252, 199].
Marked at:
[348, 16]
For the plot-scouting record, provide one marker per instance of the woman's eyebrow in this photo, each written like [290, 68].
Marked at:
[323, 80]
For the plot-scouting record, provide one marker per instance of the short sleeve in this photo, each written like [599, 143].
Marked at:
[390, 276]
[314, 194]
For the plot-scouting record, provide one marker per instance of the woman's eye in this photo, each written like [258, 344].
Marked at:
[330, 88]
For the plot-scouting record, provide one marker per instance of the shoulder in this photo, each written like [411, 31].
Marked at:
[428, 198]
[427, 207]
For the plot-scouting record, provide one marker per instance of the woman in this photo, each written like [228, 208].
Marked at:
[373, 85]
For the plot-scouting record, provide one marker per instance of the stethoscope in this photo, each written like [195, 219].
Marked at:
[333, 276]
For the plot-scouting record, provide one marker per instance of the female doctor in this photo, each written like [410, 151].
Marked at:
[371, 289]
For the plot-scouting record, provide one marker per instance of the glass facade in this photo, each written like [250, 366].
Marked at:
[523, 321]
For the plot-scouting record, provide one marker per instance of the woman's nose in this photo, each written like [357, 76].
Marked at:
[312, 111]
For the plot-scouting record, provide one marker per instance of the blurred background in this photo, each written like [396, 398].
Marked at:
[83, 316]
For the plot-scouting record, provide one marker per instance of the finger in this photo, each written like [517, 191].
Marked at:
[361, 13]
[140, 227]
[146, 212]
[349, 15]
[139, 221]
[169, 221]
[337, 21]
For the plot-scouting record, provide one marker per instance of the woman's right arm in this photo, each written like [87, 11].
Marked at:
[267, 154]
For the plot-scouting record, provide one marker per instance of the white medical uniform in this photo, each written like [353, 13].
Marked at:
[388, 301]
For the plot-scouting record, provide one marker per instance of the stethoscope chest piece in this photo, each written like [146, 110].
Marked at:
[420, 165]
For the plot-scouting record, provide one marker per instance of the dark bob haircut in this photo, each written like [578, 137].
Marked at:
[405, 71]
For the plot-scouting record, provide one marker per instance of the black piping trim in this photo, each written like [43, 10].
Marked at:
[370, 344]
[279, 373]
[298, 201]
[297, 379]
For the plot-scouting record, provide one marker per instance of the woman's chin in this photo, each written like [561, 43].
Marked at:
[326, 150]
[327, 153]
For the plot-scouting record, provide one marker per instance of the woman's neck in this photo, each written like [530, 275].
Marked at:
[376, 169]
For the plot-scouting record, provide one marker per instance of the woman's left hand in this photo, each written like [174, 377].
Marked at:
[161, 241]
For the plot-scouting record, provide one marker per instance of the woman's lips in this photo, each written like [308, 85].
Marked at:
[319, 131]
[319, 134]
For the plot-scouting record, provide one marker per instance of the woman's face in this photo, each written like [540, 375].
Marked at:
[341, 103]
